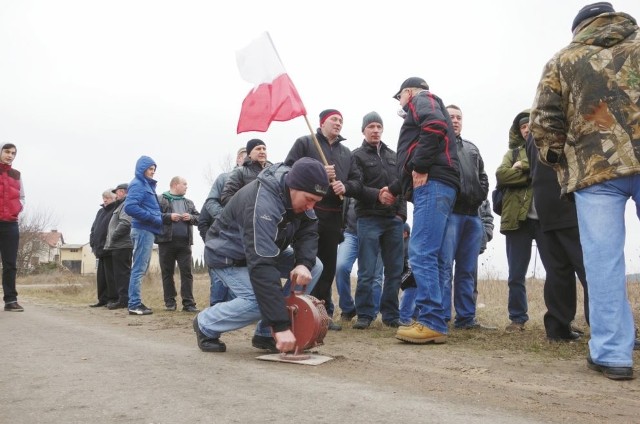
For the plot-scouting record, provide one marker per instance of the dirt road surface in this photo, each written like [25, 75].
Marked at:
[72, 364]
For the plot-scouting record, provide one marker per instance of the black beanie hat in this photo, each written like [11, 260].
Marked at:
[591, 10]
[371, 117]
[253, 143]
[308, 175]
[327, 113]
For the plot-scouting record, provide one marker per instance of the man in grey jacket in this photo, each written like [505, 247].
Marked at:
[121, 247]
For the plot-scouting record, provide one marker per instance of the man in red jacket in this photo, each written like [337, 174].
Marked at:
[11, 204]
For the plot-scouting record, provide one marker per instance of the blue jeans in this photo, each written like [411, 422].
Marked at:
[218, 292]
[243, 309]
[408, 310]
[347, 255]
[379, 237]
[461, 245]
[432, 205]
[601, 209]
[518, 244]
[142, 248]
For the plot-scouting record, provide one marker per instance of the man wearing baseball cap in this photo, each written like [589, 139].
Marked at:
[248, 249]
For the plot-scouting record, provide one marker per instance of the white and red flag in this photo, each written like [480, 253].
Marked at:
[273, 97]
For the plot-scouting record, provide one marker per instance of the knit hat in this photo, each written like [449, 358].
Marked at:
[371, 117]
[308, 175]
[523, 120]
[413, 82]
[327, 113]
[253, 143]
[591, 10]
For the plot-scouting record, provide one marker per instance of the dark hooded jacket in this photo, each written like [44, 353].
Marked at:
[255, 226]
[142, 203]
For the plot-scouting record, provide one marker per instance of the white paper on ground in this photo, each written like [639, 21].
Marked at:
[313, 359]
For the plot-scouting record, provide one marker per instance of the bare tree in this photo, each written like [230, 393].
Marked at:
[226, 164]
[32, 225]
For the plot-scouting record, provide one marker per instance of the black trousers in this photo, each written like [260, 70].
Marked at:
[9, 242]
[169, 253]
[104, 280]
[561, 255]
[121, 263]
[329, 231]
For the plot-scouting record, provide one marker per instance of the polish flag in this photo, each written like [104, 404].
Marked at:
[273, 97]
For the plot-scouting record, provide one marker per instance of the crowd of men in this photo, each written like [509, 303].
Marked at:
[572, 163]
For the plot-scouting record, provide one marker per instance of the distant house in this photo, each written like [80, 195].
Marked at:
[50, 250]
[79, 259]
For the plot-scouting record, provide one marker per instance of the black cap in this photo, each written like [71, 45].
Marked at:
[591, 10]
[123, 186]
[413, 82]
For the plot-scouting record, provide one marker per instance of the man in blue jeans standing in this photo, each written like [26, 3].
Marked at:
[463, 236]
[380, 221]
[146, 221]
[428, 177]
[586, 124]
[248, 249]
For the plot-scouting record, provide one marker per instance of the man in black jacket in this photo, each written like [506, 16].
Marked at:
[248, 249]
[345, 181]
[97, 240]
[380, 222]
[560, 250]
[121, 247]
[428, 173]
[464, 232]
[179, 215]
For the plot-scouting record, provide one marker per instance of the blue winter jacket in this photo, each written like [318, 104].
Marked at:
[142, 203]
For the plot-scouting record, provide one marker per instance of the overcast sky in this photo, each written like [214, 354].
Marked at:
[87, 87]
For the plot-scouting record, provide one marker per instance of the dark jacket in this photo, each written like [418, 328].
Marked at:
[426, 144]
[554, 213]
[336, 154]
[99, 229]
[11, 195]
[166, 207]
[141, 203]
[212, 207]
[240, 177]
[518, 196]
[377, 169]
[256, 226]
[474, 182]
[119, 232]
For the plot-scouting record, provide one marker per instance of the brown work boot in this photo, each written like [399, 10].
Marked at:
[515, 327]
[419, 334]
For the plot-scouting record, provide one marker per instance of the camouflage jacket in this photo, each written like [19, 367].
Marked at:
[586, 115]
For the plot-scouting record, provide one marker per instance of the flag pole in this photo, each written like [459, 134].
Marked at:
[319, 148]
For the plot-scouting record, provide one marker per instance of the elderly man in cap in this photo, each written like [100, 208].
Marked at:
[248, 249]
[428, 172]
[585, 122]
[121, 247]
[345, 181]
[380, 221]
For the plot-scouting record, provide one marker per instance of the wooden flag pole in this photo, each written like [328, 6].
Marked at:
[317, 144]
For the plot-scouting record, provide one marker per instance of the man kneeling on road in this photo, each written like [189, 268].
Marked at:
[248, 249]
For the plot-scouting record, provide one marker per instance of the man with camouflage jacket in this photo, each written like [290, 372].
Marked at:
[586, 124]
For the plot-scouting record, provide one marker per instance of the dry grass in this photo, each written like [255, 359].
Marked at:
[65, 288]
